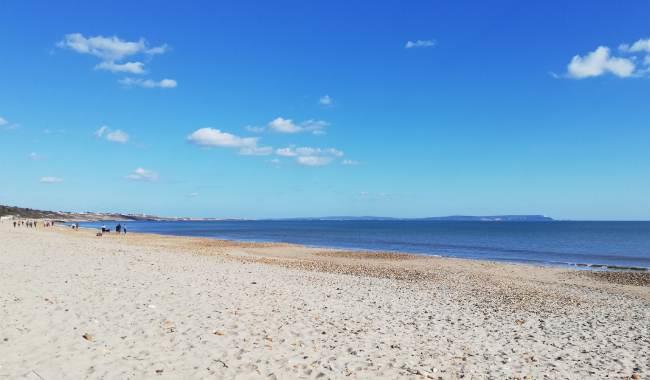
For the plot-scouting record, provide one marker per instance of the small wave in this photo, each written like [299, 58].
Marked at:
[608, 267]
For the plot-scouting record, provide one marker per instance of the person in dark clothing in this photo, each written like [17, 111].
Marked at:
[118, 228]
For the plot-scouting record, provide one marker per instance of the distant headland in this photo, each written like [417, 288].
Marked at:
[28, 213]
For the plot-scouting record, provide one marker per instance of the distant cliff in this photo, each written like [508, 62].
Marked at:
[28, 213]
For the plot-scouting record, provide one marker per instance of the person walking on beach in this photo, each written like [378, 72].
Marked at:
[118, 228]
[124, 228]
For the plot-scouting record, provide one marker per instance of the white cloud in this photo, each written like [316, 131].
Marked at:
[420, 44]
[310, 156]
[350, 162]
[148, 83]
[642, 45]
[599, 62]
[118, 136]
[286, 152]
[162, 49]
[144, 175]
[108, 48]
[314, 160]
[3, 121]
[326, 100]
[112, 51]
[215, 138]
[282, 125]
[193, 195]
[51, 180]
[101, 131]
[316, 127]
[107, 133]
[127, 67]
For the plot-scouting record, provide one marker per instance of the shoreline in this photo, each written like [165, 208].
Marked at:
[597, 267]
[621, 276]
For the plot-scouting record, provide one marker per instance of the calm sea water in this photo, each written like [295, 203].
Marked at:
[624, 245]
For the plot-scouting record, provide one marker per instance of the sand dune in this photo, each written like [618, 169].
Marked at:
[75, 306]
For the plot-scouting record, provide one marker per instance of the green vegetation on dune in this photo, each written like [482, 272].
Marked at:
[28, 213]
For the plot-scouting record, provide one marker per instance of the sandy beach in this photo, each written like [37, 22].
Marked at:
[74, 306]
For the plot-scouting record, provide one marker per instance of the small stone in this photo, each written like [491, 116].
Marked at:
[88, 337]
[159, 371]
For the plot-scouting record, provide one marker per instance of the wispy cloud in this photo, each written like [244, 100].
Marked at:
[211, 137]
[51, 132]
[642, 45]
[35, 156]
[6, 125]
[256, 151]
[127, 67]
[350, 162]
[254, 128]
[371, 196]
[118, 136]
[108, 49]
[326, 100]
[112, 51]
[144, 175]
[282, 125]
[148, 83]
[314, 160]
[51, 180]
[420, 44]
[308, 156]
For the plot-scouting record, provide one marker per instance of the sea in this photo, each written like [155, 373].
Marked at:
[587, 245]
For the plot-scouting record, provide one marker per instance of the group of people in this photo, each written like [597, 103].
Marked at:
[32, 223]
[119, 228]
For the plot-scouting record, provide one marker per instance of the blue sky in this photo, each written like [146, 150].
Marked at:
[295, 108]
